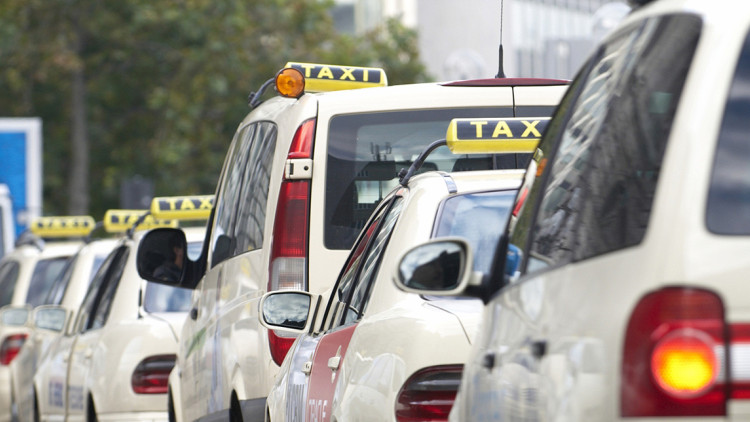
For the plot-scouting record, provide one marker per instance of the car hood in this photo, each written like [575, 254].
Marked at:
[175, 321]
[467, 311]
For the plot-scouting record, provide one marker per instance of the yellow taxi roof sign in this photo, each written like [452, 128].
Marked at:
[495, 136]
[325, 77]
[196, 207]
[120, 221]
[62, 226]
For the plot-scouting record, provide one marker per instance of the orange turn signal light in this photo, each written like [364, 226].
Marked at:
[685, 365]
[290, 83]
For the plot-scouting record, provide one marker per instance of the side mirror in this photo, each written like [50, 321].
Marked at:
[162, 257]
[50, 317]
[441, 267]
[288, 310]
[14, 316]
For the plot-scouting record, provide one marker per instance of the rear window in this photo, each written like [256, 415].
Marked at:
[45, 273]
[728, 208]
[480, 219]
[366, 152]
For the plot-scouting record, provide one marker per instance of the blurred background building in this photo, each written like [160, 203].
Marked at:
[459, 39]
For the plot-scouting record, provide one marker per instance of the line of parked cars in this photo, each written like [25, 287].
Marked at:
[416, 252]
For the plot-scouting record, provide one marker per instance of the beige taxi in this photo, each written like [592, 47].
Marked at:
[48, 321]
[27, 274]
[113, 361]
[372, 349]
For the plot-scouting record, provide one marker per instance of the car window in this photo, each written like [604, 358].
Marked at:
[595, 194]
[226, 198]
[8, 277]
[114, 275]
[340, 297]
[479, 218]
[55, 295]
[728, 207]
[95, 287]
[367, 150]
[251, 215]
[46, 272]
[371, 264]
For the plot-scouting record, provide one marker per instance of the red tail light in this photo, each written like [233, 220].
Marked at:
[428, 395]
[151, 376]
[288, 267]
[10, 348]
[520, 201]
[674, 354]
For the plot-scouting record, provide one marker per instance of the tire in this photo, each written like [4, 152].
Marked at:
[91, 412]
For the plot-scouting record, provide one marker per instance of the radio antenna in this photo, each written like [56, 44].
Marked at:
[500, 71]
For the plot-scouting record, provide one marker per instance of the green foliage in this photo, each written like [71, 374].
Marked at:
[166, 82]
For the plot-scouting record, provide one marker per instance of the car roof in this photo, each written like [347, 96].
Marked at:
[467, 181]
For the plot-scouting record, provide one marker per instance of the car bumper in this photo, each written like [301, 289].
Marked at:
[134, 417]
[5, 394]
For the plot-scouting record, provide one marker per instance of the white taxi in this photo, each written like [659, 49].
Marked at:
[48, 321]
[375, 350]
[623, 292]
[26, 276]
[302, 176]
[114, 361]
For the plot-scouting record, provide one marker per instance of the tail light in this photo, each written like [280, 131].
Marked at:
[288, 267]
[520, 201]
[151, 376]
[428, 395]
[674, 355]
[10, 348]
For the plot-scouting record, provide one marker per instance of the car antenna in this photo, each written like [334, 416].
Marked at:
[500, 71]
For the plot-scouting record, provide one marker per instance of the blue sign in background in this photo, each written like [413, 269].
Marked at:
[13, 170]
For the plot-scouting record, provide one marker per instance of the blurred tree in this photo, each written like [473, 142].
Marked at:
[156, 89]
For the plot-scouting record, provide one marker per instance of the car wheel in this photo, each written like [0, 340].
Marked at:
[235, 412]
[170, 408]
[36, 407]
[91, 413]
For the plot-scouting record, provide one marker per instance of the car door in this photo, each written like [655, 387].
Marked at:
[346, 307]
[90, 331]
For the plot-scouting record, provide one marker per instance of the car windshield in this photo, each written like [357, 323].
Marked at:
[479, 218]
[366, 151]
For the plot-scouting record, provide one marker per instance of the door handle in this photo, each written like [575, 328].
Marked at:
[488, 361]
[194, 314]
[334, 362]
[539, 348]
[88, 353]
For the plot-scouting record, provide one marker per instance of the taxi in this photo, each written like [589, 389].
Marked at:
[621, 292]
[48, 321]
[26, 276]
[304, 172]
[372, 349]
[113, 361]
